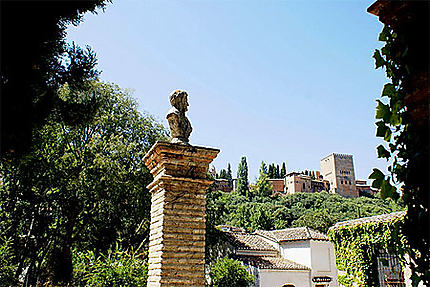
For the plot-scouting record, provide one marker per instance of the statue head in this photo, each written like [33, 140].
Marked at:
[179, 100]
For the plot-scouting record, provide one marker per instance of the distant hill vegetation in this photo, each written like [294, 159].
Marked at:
[315, 210]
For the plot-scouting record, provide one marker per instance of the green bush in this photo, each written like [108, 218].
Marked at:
[116, 268]
[229, 272]
[7, 269]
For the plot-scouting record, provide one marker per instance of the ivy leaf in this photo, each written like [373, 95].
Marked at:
[388, 91]
[377, 177]
[381, 129]
[387, 136]
[386, 51]
[379, 61]
[383, 111]
[383, 153]
[383, 36]
[388, 190]
[395, 119]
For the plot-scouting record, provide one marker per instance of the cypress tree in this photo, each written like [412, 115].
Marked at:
[242, 177]
[229, 175]
[263, 168]
[277, 171]
[283, 170]
[270, 172]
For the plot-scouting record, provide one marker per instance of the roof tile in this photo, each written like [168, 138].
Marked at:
[292, 234]
[248, 241]
[272, 262]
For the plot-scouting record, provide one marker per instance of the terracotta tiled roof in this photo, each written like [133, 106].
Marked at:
[272, 262]
[292, 234]
[376, 218]
[248, 241]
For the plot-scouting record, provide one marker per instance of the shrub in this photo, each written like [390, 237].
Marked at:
[7, 268]
[229, 272]
[116, 268]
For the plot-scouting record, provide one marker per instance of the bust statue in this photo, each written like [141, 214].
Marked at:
[180, 126]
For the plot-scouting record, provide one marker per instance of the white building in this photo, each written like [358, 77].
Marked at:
[292, 257]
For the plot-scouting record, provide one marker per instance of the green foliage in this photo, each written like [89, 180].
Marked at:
[229, 272]
[283, 170]
[7, 267]
[263, 168]
[81, 185]
[275, 172]
[116, 268]
[226, 174]
[315, 210]
[319, 219]
[357, 246]
[263, 187]
[242, 177]
[404, 125]
[36, 61]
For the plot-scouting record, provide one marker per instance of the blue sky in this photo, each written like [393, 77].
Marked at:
[276, 81]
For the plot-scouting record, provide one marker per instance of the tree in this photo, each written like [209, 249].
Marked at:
[35, 62]
[222, 174]
[242, 177]
[319, 220]
[277, 172]
[270, 171]
[263, 187]
[229, 272]
[229, 175]
[283, 170]
[263, 168]
[116, 268]
[80, 186]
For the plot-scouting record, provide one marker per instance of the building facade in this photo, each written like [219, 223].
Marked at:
[364, 189]
[338, 170]
[293, 257]
[223, 185]
[296, 182]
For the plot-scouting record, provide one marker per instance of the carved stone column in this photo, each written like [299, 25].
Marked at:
[177, 233]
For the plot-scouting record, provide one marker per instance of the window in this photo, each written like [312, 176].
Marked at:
[304, 186]
[390, 270]
[341, 182]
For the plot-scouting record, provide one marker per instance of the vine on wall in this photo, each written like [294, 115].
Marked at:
[357, 246]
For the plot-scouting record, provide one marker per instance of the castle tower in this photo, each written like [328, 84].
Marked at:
[338, 169]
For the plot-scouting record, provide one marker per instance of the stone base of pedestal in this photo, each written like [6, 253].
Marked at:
[177, 232]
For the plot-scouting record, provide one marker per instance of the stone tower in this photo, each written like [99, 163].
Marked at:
[338, 169]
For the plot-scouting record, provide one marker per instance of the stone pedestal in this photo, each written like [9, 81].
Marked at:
[177, 234]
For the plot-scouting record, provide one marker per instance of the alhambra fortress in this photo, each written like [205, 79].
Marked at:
[336, 176]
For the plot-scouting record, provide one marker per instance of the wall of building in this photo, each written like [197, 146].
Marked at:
[297, 251]
[278, 184]
[295, 182]
[278, 278]
[323, 261]
[328, 171]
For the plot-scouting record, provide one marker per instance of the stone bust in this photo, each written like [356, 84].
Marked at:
[180, 126]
